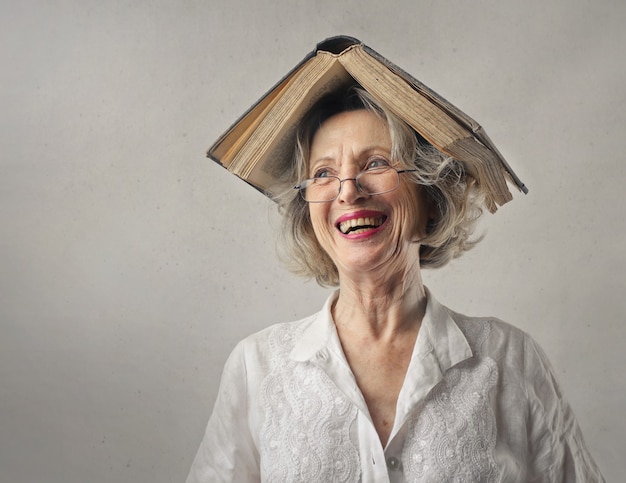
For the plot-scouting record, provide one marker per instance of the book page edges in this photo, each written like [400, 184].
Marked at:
[226, 148]
[262, 162]
[456, 113]
[433, 123]
[393, 91]
[225, 141]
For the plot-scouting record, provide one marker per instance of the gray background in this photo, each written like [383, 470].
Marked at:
[130, 265]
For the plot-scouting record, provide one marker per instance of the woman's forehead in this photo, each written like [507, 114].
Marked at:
[359, 129]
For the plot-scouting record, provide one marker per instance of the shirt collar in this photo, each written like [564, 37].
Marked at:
[318, 335]
[443, 335]
[439, 335]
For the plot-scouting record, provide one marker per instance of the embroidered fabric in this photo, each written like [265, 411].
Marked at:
[306, 433]
[454, 436]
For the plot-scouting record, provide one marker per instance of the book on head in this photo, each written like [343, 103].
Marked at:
[258, 146]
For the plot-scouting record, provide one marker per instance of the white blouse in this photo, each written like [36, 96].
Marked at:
[480, 403]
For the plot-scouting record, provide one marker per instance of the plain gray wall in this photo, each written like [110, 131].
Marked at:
[131, 265]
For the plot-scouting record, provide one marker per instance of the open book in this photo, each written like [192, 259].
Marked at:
[261, 142]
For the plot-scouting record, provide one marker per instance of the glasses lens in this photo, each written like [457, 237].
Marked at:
[320, 189]
[370, 182]
[377, 181]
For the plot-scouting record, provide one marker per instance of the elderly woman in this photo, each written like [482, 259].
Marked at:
[385, 383]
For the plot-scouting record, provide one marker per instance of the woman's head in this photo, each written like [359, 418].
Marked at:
[446, 201]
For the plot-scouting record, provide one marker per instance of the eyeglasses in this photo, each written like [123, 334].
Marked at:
[375, 181]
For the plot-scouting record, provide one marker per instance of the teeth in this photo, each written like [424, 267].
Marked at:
[356, 223]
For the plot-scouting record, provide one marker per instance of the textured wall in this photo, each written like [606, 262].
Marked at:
[130, 265]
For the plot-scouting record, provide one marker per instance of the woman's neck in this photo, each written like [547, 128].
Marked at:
[381, 309]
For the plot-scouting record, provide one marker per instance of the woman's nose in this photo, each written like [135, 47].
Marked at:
[349, 191]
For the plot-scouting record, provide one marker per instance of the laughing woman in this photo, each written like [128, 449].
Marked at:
[385, 383]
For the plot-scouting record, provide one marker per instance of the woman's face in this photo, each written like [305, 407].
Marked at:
[364, 233]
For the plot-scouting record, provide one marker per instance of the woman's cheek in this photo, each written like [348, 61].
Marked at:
[408, 225]
[322, 232]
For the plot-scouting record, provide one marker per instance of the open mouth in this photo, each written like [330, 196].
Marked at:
[360, 224]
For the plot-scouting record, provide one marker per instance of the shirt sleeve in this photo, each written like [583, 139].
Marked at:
[227, 452]
[557, 450]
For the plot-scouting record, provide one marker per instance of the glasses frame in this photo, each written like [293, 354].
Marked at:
[301, 187]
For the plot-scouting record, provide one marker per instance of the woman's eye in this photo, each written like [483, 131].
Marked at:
[321, 173]
[377, 162]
